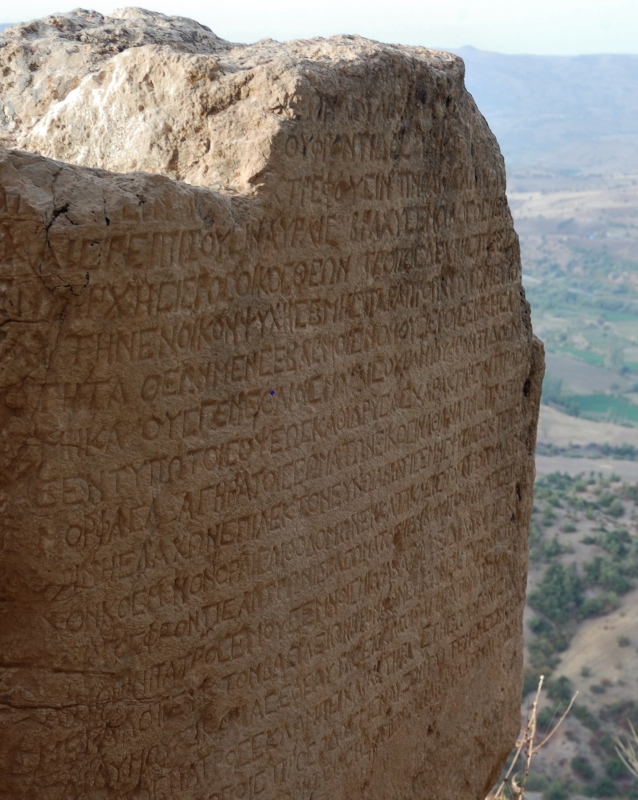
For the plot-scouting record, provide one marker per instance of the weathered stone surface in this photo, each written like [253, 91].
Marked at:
[42, 61]
[267, 453]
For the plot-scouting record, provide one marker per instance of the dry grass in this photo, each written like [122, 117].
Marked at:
[512, 787]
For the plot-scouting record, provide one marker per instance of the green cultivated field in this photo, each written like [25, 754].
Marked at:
[602, 406]
[579, 245]
[588, 357]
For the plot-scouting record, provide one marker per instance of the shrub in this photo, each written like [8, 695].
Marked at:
[607, 743]
[616, 509]
[536, 782]
[535, 542]
[605, 787]
[602, 604]
[557, 481]
[586, 717]
[610, 575]
[624, 641]
[561, 689]
[551, 549]
[540, 626]
[556, 791]
[616, 542]
[597, 688]
[621, 712]
[615, 769]
[559, 593]
[548, 516]
[551, 639]
[582, 768]
[585, 672]
[543, 655]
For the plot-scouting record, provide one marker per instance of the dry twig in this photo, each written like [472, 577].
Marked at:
[510, 788]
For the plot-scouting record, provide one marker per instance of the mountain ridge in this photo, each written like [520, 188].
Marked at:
[570, 113]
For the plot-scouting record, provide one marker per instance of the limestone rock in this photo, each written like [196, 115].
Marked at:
[42, 61]
[267, 448]
[166, 112]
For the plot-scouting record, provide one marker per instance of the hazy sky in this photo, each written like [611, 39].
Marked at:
[509, 26]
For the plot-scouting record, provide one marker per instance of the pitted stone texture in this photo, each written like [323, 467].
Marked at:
[170, 113]
[267, 454]
[43, 60]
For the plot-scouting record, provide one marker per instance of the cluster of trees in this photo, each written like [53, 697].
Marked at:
[565, 595]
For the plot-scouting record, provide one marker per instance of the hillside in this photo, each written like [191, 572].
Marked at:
[582, 630]
[578, 242]
[559, 112]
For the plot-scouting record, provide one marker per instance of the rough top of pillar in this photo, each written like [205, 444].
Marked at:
[141, 91]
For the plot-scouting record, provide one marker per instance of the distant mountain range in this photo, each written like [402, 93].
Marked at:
[567, 113]
[563, 113]
[4, 25]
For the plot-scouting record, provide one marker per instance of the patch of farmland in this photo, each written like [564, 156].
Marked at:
[583, 378]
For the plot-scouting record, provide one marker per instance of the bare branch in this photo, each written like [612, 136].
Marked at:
[558, 724]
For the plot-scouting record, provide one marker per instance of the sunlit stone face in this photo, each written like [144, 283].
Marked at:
[267, 452]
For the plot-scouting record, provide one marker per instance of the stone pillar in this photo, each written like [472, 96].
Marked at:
[267, 451]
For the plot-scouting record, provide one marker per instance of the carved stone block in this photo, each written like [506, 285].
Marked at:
[267, 435]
